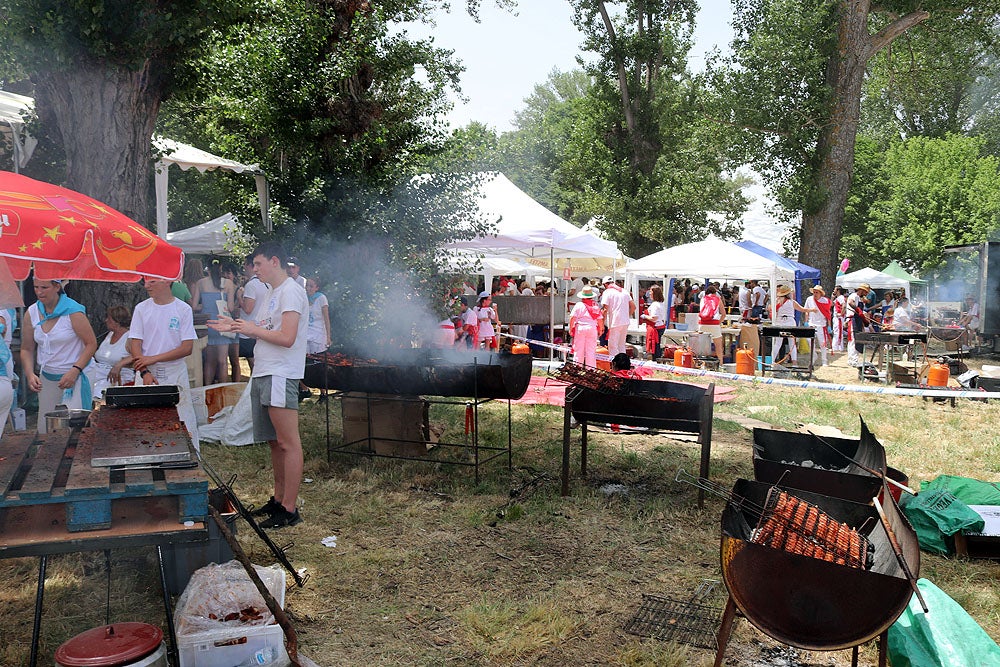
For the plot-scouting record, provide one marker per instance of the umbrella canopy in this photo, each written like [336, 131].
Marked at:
[65, 234]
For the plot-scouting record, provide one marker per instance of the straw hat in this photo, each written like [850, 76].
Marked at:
[865, 286]
[783, 290]
[818, 288]
[588, 292]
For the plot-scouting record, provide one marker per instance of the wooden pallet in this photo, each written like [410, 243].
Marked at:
[55, 468]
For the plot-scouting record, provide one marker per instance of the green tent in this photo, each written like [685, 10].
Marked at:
[895, 270]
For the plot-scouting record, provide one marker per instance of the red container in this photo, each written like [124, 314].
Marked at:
[116, 645]
[937, 375]
[746, 362]
[683, 358]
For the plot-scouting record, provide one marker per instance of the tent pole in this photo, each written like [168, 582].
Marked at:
[552, 304]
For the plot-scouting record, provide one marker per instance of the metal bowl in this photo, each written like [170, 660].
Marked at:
[63, 418]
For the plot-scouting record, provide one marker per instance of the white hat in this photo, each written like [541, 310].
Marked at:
[483, 295]
[607, 279]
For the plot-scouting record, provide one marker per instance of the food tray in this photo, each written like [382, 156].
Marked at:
[150, 396]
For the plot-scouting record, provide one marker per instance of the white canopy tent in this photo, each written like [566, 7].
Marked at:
[712, 258]
[13, 108]
[874, 278]
[528, 231]
[215, 237]
[186, 157]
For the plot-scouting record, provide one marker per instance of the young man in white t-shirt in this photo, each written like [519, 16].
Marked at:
[160, 337]
[279, 364]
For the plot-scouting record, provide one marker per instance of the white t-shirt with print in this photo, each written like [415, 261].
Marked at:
[271, 359]
[162, 328]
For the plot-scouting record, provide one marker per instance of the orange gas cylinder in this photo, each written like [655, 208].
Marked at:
[605, 365]
[683, 357]
[937, 375]
[520, 348]
[745, 361]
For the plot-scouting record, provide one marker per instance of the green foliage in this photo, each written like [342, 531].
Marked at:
[925, 193]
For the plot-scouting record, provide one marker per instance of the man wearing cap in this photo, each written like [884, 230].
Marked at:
[293, 272]
[857, 320]
[818, 306]
[586, 323]
[618, 307]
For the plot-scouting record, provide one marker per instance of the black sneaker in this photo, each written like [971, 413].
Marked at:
[268, 508]
[282, 518]
[304, 394]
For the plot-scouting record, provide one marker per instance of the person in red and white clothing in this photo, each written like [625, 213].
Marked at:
[784, 316]
[839, 304]
[586, 323]
[710, 318]
[818, 306]
[619, 307]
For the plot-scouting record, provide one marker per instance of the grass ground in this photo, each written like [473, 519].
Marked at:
[431, 568]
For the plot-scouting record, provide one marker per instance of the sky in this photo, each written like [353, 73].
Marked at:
[506, 55]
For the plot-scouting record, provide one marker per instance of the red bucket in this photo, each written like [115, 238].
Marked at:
[897, 476]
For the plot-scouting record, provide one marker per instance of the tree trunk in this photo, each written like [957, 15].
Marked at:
[105, 116]
[822, 224]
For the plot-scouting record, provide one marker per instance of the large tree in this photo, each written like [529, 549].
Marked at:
[645, 163]
[793, 85]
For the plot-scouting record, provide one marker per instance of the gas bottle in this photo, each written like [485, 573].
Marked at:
[520, 348]
[938, 374]
[746, 361]
[605, 365]
[683, 357]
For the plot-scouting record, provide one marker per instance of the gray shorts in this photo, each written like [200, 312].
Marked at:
[266, 392]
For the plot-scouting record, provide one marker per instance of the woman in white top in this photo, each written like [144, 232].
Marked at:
[57, 330]
[586, 322]
[111, 361]
[318, 337]
[784, 316]
[655, 318]
[817, 320]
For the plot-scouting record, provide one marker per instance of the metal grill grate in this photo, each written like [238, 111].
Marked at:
[692, 622]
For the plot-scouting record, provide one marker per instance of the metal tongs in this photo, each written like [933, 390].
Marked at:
[164, 465]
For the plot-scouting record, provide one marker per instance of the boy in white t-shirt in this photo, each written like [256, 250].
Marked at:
[160, 337]
[280, 360]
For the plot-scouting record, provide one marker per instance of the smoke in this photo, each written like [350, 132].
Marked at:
[375, 307]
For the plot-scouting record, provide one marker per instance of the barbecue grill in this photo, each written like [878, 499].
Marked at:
[839, 467]
[660, 405]
[805, 600]
[419, 372]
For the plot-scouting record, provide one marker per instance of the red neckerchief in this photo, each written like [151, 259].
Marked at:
[594, 310]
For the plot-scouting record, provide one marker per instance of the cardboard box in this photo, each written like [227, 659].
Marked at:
[396, 428]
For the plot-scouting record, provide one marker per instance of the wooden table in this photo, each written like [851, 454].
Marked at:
[54, 501]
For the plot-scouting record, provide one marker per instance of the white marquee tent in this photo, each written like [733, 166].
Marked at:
[185, 156]
[12, 110]
[711, 258]
[874, 278]
[215, 237]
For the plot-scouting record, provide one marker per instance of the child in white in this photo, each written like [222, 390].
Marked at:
[486, 316]
[161, 336]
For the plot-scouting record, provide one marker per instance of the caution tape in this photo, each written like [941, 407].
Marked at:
[782, 382]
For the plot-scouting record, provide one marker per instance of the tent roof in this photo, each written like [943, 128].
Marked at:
[712, 258]
[210, 238]
[186, 156]
[13, 105]
[876, 279]
[894, 269]
[802, 271]
[525, 228]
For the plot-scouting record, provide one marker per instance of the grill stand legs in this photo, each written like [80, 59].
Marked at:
[726, 630]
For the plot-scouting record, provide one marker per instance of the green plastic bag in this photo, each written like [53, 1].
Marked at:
[936, 516]
[946, 636]
[969, 491]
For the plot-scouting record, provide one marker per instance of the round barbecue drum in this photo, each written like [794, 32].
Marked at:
[807, 602]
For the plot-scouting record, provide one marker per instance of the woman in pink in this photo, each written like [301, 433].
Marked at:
[586, 324]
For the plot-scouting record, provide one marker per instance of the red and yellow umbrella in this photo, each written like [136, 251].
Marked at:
[67, 235]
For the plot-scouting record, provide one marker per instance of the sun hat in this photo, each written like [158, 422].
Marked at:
[818, 288]
[783, 290]
[865, 286]
[607, 279]
[588, 292]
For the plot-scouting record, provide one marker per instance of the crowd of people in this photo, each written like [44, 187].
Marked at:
[266, 313]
